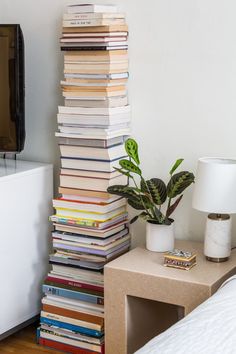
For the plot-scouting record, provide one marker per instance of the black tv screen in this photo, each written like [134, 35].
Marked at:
[12, 85]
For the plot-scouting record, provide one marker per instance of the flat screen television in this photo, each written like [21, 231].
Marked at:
[12, 87]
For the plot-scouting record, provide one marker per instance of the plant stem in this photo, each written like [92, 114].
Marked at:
[169, 202]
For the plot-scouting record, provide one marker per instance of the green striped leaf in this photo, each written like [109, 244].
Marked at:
[130, 166]
[178, 183]
[175, 166]
[131, 148]
[157, 189]
[122, 191]
[137, 201]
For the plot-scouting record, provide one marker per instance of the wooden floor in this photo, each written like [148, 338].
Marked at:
[24, 342]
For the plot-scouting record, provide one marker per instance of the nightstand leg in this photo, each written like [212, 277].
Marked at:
[131, 321]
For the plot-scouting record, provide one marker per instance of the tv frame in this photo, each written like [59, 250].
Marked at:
[19, 89]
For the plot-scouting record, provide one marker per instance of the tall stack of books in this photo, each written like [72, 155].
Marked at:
[90, 224]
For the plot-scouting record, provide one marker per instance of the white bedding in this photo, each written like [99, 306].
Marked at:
[209, 329]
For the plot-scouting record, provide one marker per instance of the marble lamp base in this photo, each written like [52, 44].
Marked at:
[217, 243]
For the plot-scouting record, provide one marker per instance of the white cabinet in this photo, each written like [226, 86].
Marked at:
[26, 190]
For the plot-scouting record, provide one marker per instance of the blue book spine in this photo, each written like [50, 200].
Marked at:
[52, 290]
[38, 334]
[71, 327]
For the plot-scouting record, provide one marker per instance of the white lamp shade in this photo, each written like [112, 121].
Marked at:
[215, 185]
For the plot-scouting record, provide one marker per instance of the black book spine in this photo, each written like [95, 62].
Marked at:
[78, 48]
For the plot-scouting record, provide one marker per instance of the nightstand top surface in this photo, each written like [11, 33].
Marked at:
[140, 260]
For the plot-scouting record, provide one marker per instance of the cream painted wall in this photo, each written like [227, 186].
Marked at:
[182, 84]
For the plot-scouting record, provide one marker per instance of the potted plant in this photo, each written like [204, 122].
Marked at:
[148, 196]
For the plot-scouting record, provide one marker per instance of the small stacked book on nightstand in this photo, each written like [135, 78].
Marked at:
[180, 259]
[90, 225]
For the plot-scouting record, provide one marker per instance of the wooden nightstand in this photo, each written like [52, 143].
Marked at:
[143, 298]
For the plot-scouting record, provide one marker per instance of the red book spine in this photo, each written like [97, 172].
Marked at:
[75, 284]
[65, 347]
[103, 349]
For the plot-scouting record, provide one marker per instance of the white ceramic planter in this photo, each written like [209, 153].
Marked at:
[160, 238]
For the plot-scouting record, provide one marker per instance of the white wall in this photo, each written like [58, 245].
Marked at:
[182, 84]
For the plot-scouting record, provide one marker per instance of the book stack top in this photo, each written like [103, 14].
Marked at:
[90, 225]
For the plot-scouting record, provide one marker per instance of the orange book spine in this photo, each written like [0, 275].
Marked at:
[73, 314]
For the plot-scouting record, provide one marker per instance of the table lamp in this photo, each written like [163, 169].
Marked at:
[215, 193]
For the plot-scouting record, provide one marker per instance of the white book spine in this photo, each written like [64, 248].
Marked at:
[90, 16]
[92, 22]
